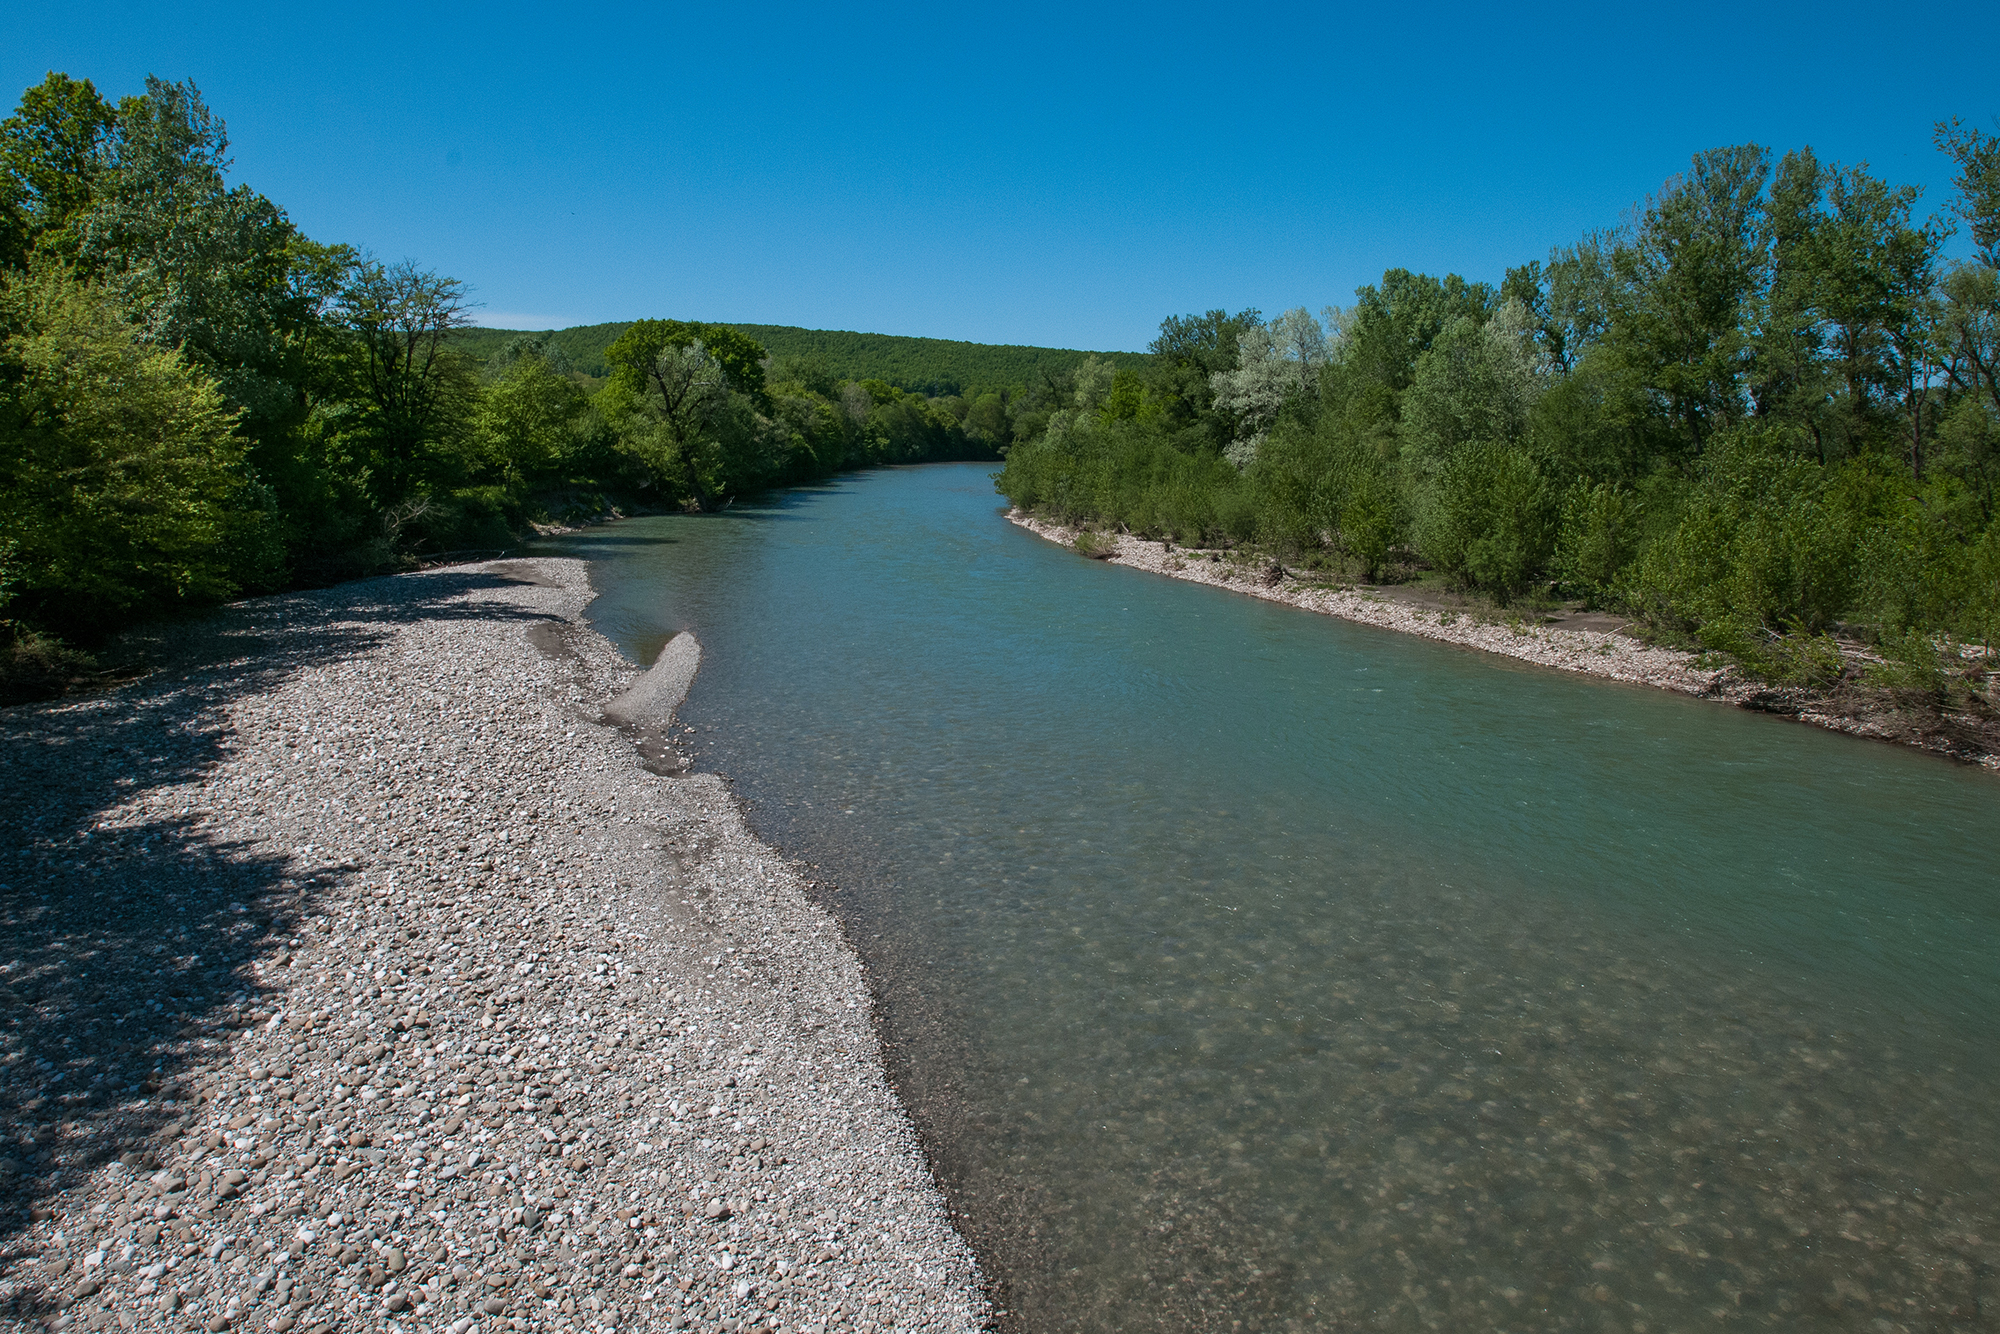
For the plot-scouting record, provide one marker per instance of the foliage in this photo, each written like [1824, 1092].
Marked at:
[37, 666]
[1759, 410]
[1488, 517]
[126, 483]
[1599, 533]
[197, 400]
[932, 367]
[1096, 545]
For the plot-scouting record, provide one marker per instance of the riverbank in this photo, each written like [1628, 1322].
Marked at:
[361, 975]
[1593, 652]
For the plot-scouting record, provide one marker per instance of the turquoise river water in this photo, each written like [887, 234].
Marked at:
[1247, 969]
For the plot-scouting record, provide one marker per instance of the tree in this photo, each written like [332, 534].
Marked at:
[1190, 351]
[1274, 362]
[219, 272]
[1688, 281]
[1393, 324]
[1977, 157]
[683, 391]
[986, 421]
[529, 421]
[1968, 333]
[1474, 384]
[739, 356]
[49, 159]
[126, 486]
[416, 390]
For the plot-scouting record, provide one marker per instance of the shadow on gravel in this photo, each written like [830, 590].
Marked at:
[127, 936]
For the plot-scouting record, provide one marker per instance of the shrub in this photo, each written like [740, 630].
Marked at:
[1488, 520]
[1599, 536]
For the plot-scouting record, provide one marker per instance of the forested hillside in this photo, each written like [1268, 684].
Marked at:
[1764, 410]
[199, 401]
[935, 367]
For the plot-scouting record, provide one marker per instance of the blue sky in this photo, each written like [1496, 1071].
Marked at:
[1062, 175]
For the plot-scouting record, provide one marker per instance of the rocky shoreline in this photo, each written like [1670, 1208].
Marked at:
[359, 974]
[1603, 653]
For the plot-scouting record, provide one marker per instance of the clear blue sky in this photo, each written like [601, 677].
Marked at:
[1061, 175]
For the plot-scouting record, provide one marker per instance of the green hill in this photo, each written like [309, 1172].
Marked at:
[922, 365]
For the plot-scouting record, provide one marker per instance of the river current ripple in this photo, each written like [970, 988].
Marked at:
[1249, 970]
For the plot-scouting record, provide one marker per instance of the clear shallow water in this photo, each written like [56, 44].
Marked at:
[1250, 969]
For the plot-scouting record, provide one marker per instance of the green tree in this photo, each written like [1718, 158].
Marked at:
[1475, 383]
[739, 357]
[531, 422]
[414, 393]
[1187, 355]
[1977, 157]
[1394, 323]
[49, 160]
[1689, 280]
[672, 405]
[1488, 517]
[126, 486]
[216, 271]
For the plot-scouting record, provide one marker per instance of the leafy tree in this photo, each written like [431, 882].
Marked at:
[219, 272]
[1274, 362]
[1968, 334]
[1489, 518]
[537, 347]
[1763, 545]
[987, 421]
[739, 357]
[1688, 280]
[1190, 351]
[1581, 288]
[126, 486]
[674, 403]
[1977, 157]
[414, 394]
[49, 160]
[1393, 324]
[531, 421]
[1600, 529]
[1474, 384]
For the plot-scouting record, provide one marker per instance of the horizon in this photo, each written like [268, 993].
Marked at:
[950, 177]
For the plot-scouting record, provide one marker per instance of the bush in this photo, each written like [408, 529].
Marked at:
[1599, 535]
[1795, 657]
[463, 522]
[1097, 546]
[1761, 543]
[1489, 520]
[36, 666]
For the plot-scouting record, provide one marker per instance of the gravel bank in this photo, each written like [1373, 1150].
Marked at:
[358, 976]
[1593, 652]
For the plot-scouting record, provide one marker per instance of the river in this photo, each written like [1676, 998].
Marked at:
[1247, 969]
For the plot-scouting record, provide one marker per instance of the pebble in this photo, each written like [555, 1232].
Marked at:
[427, 1000]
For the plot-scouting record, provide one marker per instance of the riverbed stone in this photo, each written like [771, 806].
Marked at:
[435, 997]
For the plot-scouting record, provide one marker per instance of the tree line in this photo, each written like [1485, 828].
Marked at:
[198, 401]
[934, 367]
[1763, 409]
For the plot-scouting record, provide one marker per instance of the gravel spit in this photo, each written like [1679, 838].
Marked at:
[358, 975]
